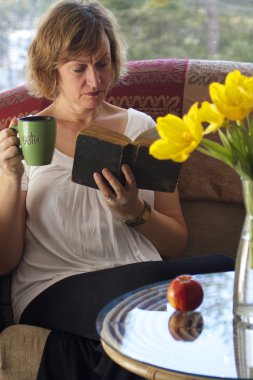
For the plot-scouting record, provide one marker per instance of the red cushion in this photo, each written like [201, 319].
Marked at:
[155, 87]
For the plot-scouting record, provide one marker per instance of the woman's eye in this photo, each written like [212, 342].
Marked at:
[82, 68]
[102, 64]
[79, 69]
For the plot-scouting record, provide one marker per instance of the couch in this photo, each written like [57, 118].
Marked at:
[210, 192]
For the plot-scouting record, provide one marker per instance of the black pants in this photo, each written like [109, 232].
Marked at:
[70, 307]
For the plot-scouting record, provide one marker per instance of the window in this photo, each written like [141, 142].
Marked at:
[200, 29]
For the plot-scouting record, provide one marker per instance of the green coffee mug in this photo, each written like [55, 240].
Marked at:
[37, 135]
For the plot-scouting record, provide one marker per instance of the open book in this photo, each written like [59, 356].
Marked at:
[98, 148]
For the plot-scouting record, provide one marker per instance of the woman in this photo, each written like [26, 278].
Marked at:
[73, 251]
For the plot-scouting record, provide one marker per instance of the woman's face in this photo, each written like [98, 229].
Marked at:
[84, 82]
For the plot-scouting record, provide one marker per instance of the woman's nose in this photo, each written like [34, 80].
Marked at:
[93, 79]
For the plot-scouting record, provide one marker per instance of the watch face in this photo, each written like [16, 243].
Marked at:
[142, 218]
[146, 212]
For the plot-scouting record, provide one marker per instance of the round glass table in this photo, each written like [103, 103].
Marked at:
[141, 332]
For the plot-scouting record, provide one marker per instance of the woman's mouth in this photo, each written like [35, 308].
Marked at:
[93, 94]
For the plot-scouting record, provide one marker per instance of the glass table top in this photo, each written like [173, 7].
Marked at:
[207, 342]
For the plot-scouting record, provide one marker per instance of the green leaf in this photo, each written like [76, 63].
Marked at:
[215, 150]
[212, 149]
[224, 140]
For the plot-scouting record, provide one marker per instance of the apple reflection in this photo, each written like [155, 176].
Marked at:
[186, 326]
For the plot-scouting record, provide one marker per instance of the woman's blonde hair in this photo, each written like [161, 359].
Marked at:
[68, 29]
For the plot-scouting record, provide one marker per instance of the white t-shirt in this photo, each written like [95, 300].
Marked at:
[69, 228]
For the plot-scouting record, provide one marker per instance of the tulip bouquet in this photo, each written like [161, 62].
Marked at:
[229, 114]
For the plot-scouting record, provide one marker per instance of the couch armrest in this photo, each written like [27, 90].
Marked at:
[21, 348]
[17, 102]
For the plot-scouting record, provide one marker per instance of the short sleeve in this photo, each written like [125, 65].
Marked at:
[151, 122]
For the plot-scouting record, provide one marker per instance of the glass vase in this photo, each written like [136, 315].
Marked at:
[243, 349]
[243, 281]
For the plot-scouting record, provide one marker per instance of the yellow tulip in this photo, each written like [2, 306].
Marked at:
[231, 107]
[234, 99]
[210, 113]
[179, 137]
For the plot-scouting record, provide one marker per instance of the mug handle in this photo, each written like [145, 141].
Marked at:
[15, 129]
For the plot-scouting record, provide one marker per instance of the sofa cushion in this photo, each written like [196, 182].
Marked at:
[214, 227]
[202, 177]
[207, 179]
[155, 87]
[200, 73]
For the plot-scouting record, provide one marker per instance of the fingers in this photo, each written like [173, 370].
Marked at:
[10, 158]
[4, 133]
[109, 197]
[130, 179]
[115, 184]
[113, 181]
[123, 199]
[13, 122]
[8, 143]
[108, 193]
[12, 166]
[8, 133]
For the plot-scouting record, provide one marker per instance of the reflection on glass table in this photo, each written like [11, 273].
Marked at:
[141, 332]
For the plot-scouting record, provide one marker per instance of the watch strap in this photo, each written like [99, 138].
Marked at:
[142, 218]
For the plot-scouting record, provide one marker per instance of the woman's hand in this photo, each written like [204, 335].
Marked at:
[123, 200]
[165, 228]
[10, 158]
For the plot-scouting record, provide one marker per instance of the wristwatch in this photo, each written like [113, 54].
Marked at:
[142, 218]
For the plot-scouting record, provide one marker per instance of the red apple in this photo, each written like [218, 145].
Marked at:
[185, 293]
